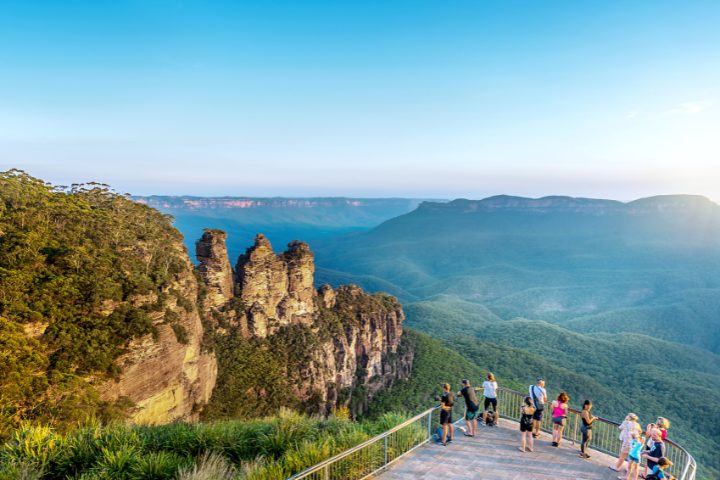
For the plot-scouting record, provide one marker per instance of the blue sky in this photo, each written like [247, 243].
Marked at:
[367, 98]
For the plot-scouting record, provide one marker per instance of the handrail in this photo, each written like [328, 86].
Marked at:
[369, 466]
[371, 456]
[605, 438]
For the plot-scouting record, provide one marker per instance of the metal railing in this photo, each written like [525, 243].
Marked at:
[605, 433]
[372, 456]
[368, 458]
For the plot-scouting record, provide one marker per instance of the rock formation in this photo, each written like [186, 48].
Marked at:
[358, 335]
[276, 289]
[215, 267]
[168, 378]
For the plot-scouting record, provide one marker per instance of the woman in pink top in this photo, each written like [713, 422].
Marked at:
[559, 414]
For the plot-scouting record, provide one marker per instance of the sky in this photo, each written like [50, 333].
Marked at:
[441, 99]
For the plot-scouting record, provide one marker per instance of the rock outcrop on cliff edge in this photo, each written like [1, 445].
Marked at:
[168, 376]
[354, 337]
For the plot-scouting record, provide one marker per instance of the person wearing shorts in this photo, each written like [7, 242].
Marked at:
[526, 425]
[472, 406]
[539, 396]
[559, 414]
[629, 431]
[447, 400]
[490, 393]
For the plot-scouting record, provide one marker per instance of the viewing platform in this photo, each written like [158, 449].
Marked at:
[493, 455]
[409, 451]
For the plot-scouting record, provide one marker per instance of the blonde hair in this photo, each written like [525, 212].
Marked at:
[446, 386]
[491, 377]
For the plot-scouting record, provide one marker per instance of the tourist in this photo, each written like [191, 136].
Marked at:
[663, 424]
[490, 386]
[586, 427]
[629, 431]
[539, 397]
[657, 450]
[447, 401]
[559, 416]
[658, 472]
[526, 424]
[472, 406]
[633, 458]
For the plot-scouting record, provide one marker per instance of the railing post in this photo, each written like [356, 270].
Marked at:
[429, 426]
[575, 429]
[327, 472]
[386, 450]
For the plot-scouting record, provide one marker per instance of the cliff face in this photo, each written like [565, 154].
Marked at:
[168, 377]
[356, 335]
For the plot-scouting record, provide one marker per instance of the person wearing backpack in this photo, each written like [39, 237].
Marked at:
[447, 400]
[539, 398]
[526, 424]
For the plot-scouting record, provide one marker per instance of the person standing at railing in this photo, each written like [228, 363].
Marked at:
[559, 416]
[447, 400]
[586, 427]
[490, 393]
[629, 431]
[472, 406]
[526, 424]
[539, 397]
[657, 450]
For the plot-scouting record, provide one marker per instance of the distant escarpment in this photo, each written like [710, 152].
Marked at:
[98, 309]
[281, 342]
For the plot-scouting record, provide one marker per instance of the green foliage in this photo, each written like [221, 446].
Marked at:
[73, 264]
[253, 381]
[268, 448]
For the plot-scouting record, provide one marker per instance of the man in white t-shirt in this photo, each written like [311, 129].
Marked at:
[539, 397]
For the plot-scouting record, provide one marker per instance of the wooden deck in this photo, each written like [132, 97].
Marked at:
[494, 455]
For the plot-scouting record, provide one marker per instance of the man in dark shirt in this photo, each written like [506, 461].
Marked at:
[447, 400]
[656, 452]
[472, 406]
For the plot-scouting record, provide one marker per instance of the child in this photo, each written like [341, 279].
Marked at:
[658, 471]
[526, 424]
[633, 459]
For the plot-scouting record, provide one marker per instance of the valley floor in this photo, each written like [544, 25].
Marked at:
[493, 455]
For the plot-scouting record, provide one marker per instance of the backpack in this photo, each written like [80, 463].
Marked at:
[538, 405]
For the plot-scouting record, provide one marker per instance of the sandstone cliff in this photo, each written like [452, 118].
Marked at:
[355, 338]
[168, 376]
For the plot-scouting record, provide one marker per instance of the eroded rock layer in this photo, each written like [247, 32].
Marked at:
[356, 336]
[168, 376]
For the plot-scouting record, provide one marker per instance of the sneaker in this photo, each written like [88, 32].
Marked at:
[554, 444]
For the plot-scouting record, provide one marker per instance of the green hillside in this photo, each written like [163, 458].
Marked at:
[622, 299]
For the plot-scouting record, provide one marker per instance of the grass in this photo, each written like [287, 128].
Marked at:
[269, 448]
